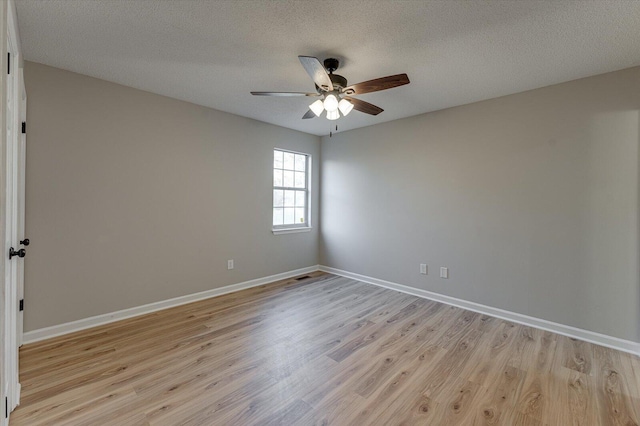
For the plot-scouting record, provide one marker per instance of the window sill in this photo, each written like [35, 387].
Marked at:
[291, 230]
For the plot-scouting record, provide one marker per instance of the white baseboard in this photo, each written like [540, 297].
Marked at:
[70, 327]
[566, 330]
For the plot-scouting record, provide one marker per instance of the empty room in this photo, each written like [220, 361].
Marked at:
[293, 212]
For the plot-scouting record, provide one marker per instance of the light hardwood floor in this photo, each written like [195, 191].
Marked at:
[323, 350]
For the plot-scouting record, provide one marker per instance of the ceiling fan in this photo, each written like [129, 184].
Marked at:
[333, 91]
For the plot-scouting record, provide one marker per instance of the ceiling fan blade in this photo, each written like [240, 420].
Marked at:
[316, 71]
[377, 84]
[308, 114]
[363, 106]
[284, 94]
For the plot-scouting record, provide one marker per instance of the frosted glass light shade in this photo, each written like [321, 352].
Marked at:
[317, 107]
[331, 103]
[333, 115]
[345, 106]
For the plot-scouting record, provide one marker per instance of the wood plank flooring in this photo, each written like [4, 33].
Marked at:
[324, 350]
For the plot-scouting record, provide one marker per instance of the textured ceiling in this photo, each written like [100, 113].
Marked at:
[213, 53]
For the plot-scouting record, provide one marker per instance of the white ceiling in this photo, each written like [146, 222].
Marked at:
[213, 53]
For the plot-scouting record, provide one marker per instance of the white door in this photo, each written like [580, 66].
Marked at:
[13, 250]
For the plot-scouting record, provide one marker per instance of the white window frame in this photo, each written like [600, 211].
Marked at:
[293, 228]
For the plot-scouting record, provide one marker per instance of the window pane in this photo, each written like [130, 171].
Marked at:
[290, 205]
[277, 178]
[289, 216]
[288, 178]
[277, 216]
[289, 159]
[278, 198]
[289, 198]
[277, 159]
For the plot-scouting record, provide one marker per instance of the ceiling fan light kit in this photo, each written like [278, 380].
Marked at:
[331, 105]
[317, 107]
[345, 106]
[335, 92]
[333, 115]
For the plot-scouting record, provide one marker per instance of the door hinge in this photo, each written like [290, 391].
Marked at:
[8, 62]
[21, 304]
[24, 127]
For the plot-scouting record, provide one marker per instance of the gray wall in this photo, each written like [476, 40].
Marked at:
[134, 198]
[531, 200]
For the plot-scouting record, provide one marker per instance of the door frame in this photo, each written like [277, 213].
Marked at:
[21, 174]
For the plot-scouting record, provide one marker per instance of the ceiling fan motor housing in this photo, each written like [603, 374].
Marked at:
[338, 81]
[332, 64]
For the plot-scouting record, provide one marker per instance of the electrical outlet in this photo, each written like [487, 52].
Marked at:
[423, 268]
[444, 272]
[230, 264]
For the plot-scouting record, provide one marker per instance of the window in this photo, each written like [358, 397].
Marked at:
[290, 190]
